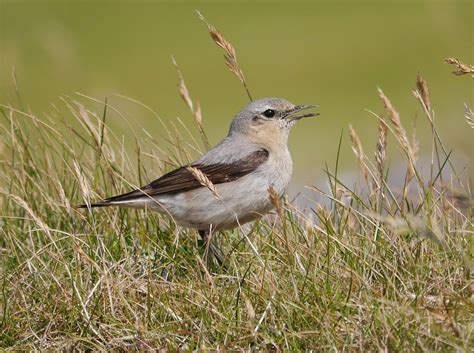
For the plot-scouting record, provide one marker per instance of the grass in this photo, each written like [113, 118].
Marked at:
[376, 268]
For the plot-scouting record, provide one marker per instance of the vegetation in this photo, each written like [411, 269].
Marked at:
[377, 267]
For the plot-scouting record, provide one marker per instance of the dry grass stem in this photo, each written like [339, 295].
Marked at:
[400, 130]
[39, 222]
[198, 116]
[356, 144]
[183, 90]
[230, 55]
[203, 180]
[195, 109]
[359, 152]
[415, 145]
[276, 201]
[83, 184]
[380, 148]
[422, 88]
[469, 115]
[462, 69]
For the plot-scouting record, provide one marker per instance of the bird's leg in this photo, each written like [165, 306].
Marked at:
[205, 239]
[213, 248]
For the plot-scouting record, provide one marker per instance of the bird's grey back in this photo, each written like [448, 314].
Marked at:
[229, 150]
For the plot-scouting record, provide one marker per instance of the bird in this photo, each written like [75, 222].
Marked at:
[229, 185]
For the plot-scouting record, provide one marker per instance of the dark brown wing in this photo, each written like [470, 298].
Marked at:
[181, 179]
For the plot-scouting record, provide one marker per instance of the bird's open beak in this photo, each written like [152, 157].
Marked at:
[293, 115]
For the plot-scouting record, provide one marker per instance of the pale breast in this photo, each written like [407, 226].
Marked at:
[280, 170]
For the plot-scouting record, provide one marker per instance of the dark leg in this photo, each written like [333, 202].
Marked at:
[213, 248]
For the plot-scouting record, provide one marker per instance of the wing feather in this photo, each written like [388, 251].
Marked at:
[181, 179]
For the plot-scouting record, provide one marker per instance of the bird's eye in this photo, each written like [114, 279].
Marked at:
[269, 113]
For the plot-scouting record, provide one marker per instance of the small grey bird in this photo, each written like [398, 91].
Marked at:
[253, 158]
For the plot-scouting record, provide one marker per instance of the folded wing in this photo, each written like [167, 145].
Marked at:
[181, 179]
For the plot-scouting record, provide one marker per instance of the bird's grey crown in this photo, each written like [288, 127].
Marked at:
[260, 105]
[243, 118]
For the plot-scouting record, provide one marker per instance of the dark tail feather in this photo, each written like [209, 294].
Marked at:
[94, 205]
[116, 200]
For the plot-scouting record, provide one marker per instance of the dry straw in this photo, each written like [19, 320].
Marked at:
[203, 180]
[39, 222]
[462, 69]
[195, 109]
[381, 148]
[82, 180]
[183, 89]
[276, 201]
[230, 55]
[356, 144]
[359, 152]
[422, 88]
[401, 133]
[469, 115]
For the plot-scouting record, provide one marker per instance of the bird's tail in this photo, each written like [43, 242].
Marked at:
[134, 199]
[97, 204]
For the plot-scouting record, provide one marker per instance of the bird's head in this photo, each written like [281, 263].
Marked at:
[269, 119]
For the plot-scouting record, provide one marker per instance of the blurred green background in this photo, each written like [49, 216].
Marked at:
[332, 53]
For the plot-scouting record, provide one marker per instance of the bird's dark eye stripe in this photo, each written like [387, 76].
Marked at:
[269, 113]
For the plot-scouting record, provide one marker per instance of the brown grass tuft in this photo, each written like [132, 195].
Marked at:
[359, 152]
[401, 133]
[37, 219]
[82, 181]
[195, 109]
[203, 180]
[356, 144]
[469, 115]
[276, 201]
[381, 148]
[422, 88]
[462, 69]
[230, 55]
[183, 89]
